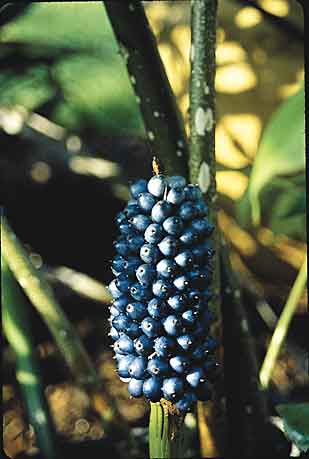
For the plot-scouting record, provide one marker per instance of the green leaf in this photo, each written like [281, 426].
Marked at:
[296, 423]
[281, 150]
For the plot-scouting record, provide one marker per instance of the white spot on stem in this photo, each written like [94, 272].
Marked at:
[204, 177]
[151, 135]
[179, 153]
[180, 143]
[156, 114]
[133, 80]
[192, 53]
[206, 89]
[203, 120]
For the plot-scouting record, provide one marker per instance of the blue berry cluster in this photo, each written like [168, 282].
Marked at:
[159, 316]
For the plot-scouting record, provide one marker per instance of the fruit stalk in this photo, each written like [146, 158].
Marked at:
[18, 331]
[202, 167]
[162, 119]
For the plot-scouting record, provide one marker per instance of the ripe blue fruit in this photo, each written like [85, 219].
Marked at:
[114, 290]
[201, 225]
[195, 376]
[146, 201]
[152, 388]
[121, 322]
[136, 310]
[166, 268]
[189, 236]
[151, 327]
[145, 273]
[122, 247]
[122, 283]
[178, 302]
[140, 293]
[135, 242]
[172, 325]
[168, 246]
[173, 225]
[157, 308]
[185, 341]
[193, 192]
[173, 388]
[161, 288]
[187, 210]
[126, 228]
[158, 366]
[132, 209]
[118, 264]
[121, 218]
[124, 345]
[184, 259]
[114, 334]
[164, 345]
[149, 253]
[201, 208]
[140, 222]
[175, 195]
[189, 318]
[134, 330]
[182, 283]
[121, 303]
[138, 187]
[123, 365]
[135, 387]
[180, 363]
[154, 233]
[176, 181]
[131, 264]
[143, 345]
[114, 311]
[137, 367]
[157, 185]
[185, 403]
[161, 210]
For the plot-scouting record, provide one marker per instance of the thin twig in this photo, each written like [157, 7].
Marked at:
[162, 119]
[282, 326]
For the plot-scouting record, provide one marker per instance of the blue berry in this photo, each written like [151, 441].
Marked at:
[121, 303]
[178, 302]
[136, 311]
[124, 345]
[164, 345]
[138, 187]
[126, 228]
[180, 363]
[140, 222]
[118, 264]
[157, 185]
[122, 247]
[173, 388]
[173, 226]
[161, 288]
[131, 264]
[176, 181]
[175, 196]
[146, 201]
[172, 325]
[135, 242]
[195, 376]
[166, 268]
[114, 311]
[121, 322]
[189, 317]
[137, 368]
[123, 365]
[149, 253]
[156, 308]
[193, 192]
[135, 387]
[201, 208]
[121, 218]
[185, 403]
[201, 225]
[140, 293]
[168, 246]
[134, 330]
[184, 259]
[122, 283]
[182, 283]
[151, 327]
[145, 273]
[189, 236]
[158, 366]
[143, 345]
[186, 341]
[187, 210]
[152, 388]
[154, 233]
[161, 211]
[114, 334]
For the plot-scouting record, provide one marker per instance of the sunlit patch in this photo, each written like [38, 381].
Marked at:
[235, 78]
[246, 129]
[98, 167]
[229, 52]
[226, 151]
[277, 7]
[45, 126]
[12, 120]
[220, 35]
[181, 36]
[286, 90]
[248, 17]
[157, 13]
[176, 68]
[40, 172]
[73, 143]
[231, 183]
[240, 239]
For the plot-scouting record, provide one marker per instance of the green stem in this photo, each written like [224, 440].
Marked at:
[162, 119]
[165, 431]
[17, 329]
[202, 166]
[283, 326]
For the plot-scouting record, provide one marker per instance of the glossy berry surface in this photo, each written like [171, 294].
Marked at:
[160, 314]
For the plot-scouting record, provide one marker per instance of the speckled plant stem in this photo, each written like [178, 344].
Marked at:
[202, 167]
[162, 119]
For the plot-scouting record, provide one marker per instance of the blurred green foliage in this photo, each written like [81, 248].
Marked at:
[69, 63]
